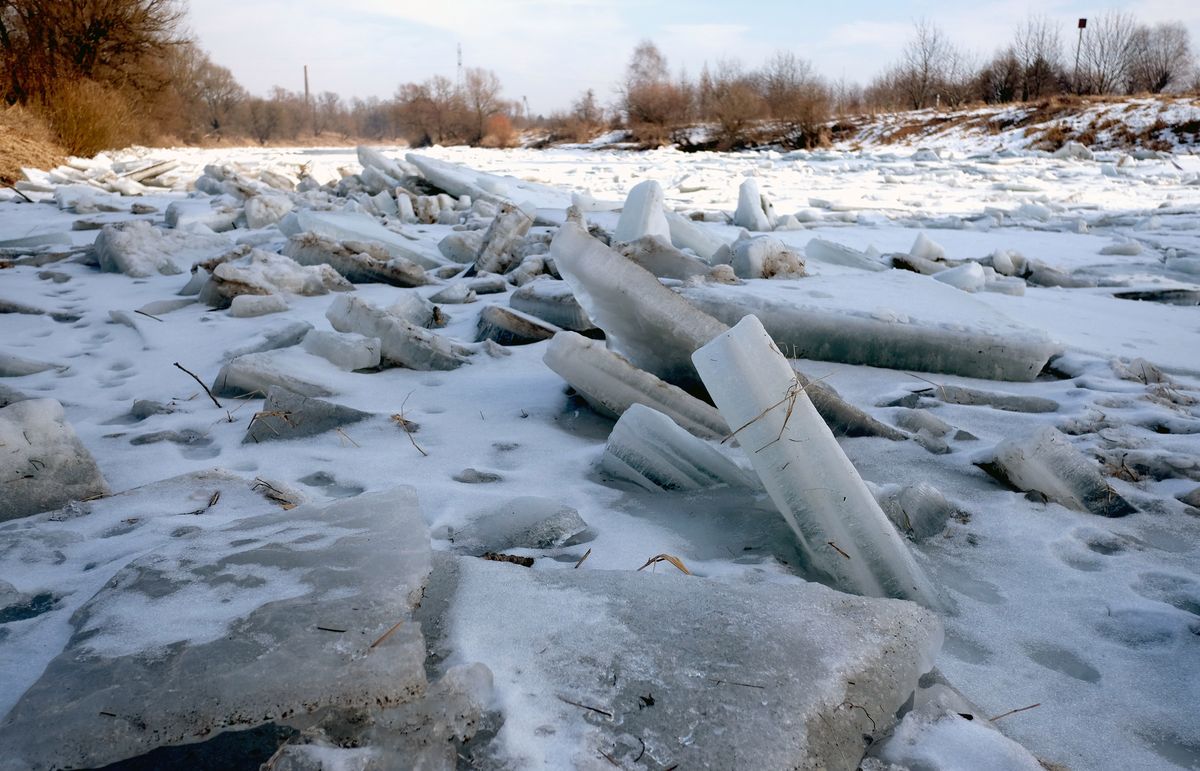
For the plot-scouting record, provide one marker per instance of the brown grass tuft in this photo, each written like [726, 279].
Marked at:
[89, 117]
[25, 140]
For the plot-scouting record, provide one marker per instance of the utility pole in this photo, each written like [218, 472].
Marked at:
[460, 66]
[312, 113]
[1079, 45]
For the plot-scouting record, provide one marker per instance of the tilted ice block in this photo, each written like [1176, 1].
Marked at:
[281, 335]
[968, 277]
[265, 210]
[552, 300]
[757, 676]
[648, 449]
[403, 343]
[184, 215]
[511, 327]
[342, 226]
[653, 327]
[43, 465]
[255, 373]
[286, 415]
[357, 261]
[203, 633]
[344, 350]
[460, 180]
[259, 272]
[820, 250]
[927, 249]
[750, 213]
[369, 157]
[918, 510]
[250, 305]
[657, 255]
[139, 249]
[842, 417]
[611, 385]
[924, 325]
[496, 254]
[1047, 463]
[461, 246]
[642, 214]
[841, 529]
[686, 234]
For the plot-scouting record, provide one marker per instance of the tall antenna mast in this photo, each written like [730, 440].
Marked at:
[460, 65]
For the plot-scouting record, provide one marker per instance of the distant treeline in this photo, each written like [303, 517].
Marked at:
[106, 73]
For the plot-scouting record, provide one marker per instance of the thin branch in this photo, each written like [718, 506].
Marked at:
[201, 382]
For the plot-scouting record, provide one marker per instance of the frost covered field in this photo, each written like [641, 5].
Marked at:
[972, 382]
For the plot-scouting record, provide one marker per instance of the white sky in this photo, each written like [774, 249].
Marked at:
[551, 50]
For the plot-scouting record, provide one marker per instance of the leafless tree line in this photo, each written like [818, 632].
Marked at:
[107, 72]
[1114, 55]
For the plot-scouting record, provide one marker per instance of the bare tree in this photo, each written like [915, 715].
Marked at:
[735, 103]
[796, 98]
[264, 117]
[219, 91]
[922, 66]
[481, 93]
[44, 42]
[1160, 57]
[1037, 49]
[1105, 55]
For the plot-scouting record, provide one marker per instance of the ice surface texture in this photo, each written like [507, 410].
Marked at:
[708, 674]
[842, 531]
[207, 633]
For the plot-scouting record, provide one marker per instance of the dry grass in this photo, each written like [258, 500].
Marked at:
[25, 140]
[89, 117]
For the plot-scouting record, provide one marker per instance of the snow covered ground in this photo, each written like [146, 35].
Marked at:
[1095, 620]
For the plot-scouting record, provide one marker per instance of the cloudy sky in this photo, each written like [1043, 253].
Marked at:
[549, 51]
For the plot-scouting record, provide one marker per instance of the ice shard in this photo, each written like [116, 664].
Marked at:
[648, 449]
[686, 234]
[841, 529]
[642, 214]
[611, 385]
[653, 327]
[751, 211]
[403, 343]
[508, 227]
[1047, 463]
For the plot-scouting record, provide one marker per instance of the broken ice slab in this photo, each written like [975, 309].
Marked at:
[255, 271]
[246, 306]
[280, 335]
[1047, 463]
[203, 634]
[44, 464]
[841, 529]
[12, 365]
[528, 522]
[461, 246]
[192, 214]
[345, 350]
[952, 394]
[842, 417]
[402, 342]
[821, 250]
[139, 249]
[287, 415]
[358, 261]
[345, 226]
[642, 215]
[686, 234]
[897, 320]
[777, 675]
[751, 212]
[653, 327]
[459, 180]
[657, 255]
[612, 385]
[265, 210]
[919, 510]
[496, 250]
[253, 374]
[511, 327]
[551, 300]
[648, 449]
